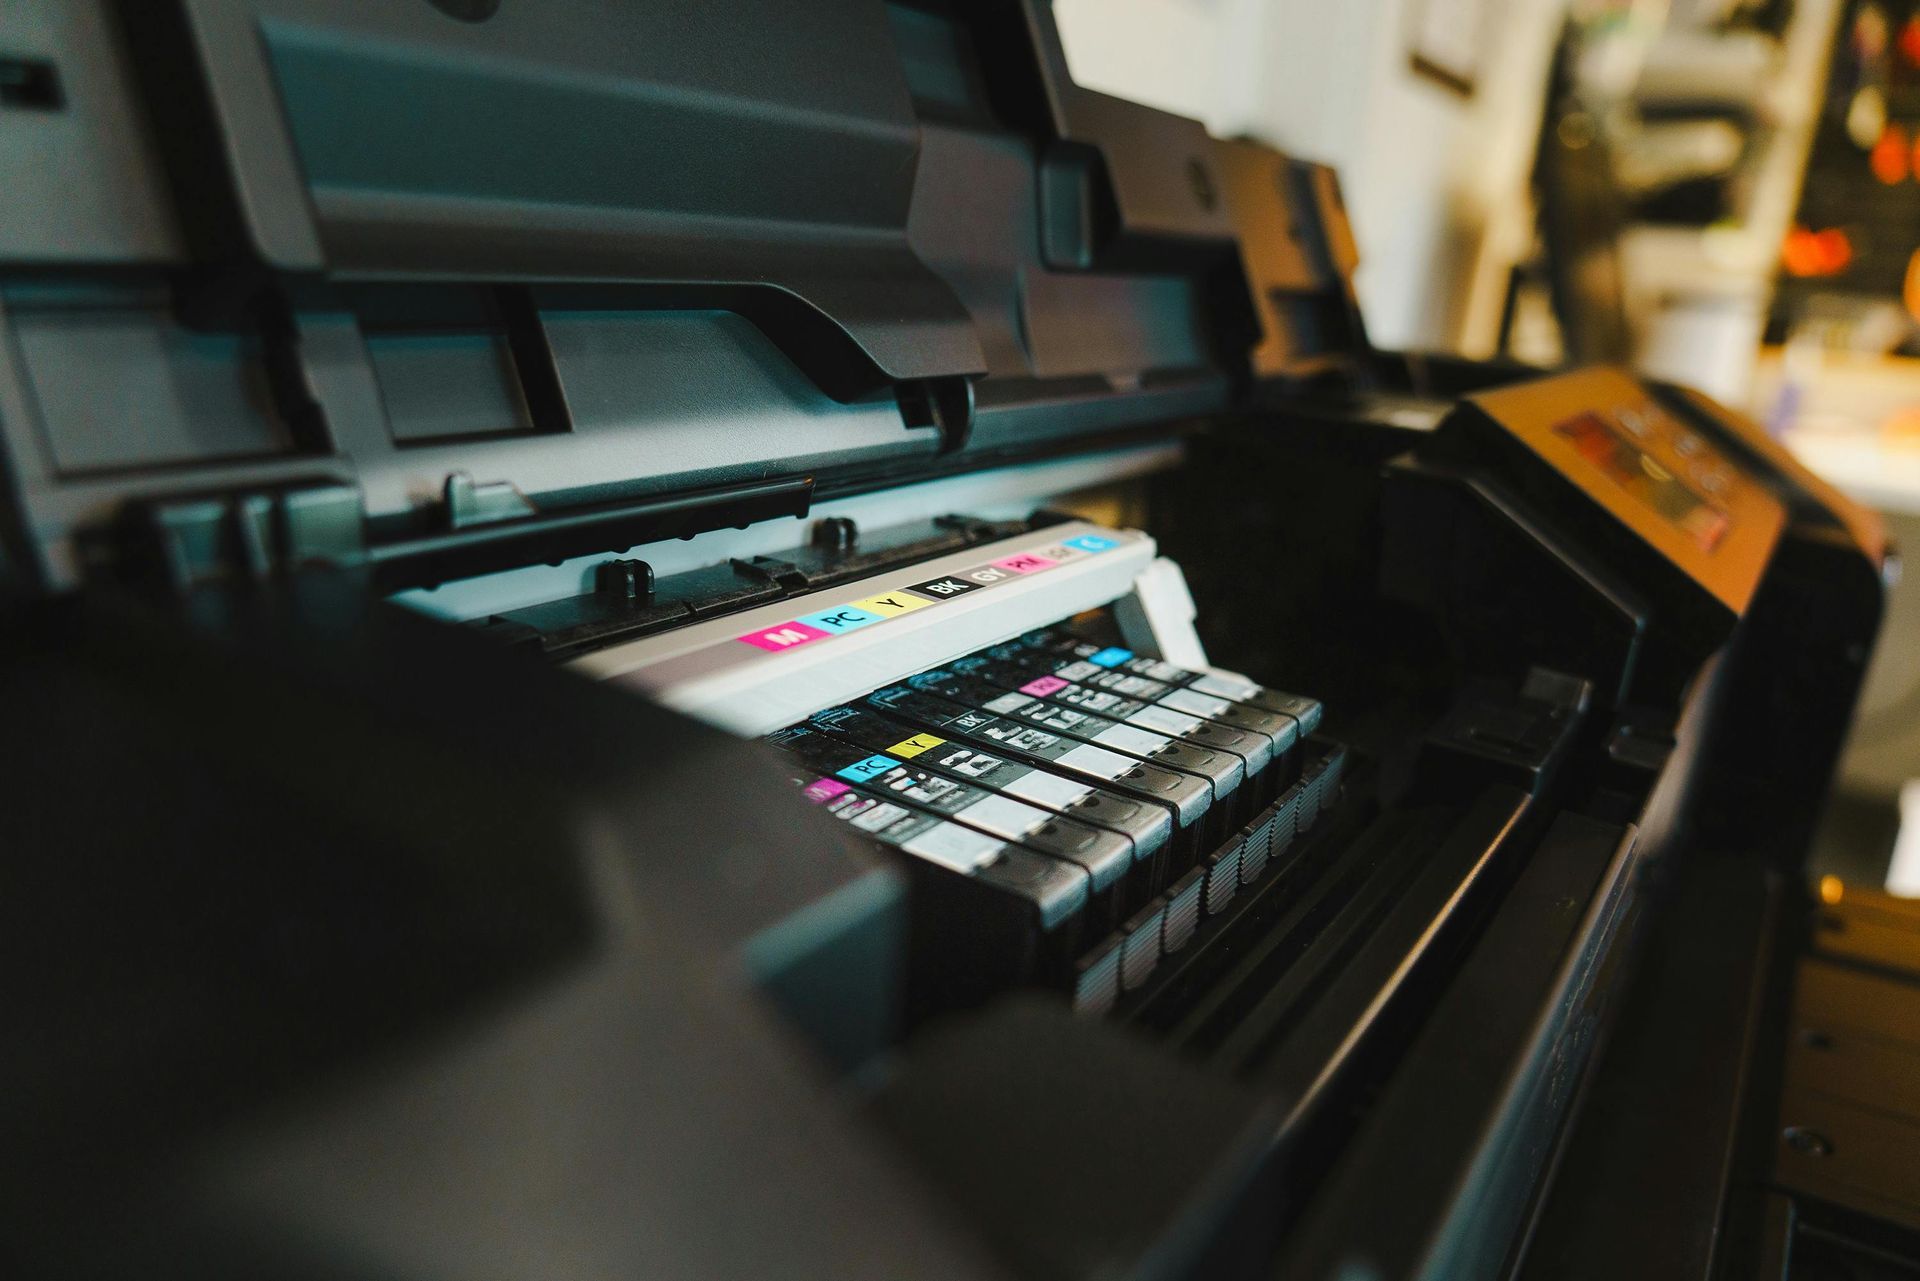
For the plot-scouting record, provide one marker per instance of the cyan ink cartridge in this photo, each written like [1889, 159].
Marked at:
[1145, 826]
[1105, 857]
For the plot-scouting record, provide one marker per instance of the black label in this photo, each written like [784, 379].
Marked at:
[943, 588]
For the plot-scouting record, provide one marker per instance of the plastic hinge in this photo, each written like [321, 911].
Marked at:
[470, 503]
[944, 404]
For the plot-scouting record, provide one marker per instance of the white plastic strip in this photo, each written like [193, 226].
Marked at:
[763, 668]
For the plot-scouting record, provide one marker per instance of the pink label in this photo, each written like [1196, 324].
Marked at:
[822, 790]
[1027, 563]
[782, 636]
[1042, 686]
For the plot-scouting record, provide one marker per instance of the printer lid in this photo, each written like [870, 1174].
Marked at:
[443, 286]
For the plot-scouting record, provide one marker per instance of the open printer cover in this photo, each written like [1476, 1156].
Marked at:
[486, 481]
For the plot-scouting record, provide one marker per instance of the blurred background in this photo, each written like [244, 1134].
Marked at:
[1721, 192]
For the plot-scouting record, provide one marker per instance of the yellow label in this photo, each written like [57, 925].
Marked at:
[892, 603]
[912, 747]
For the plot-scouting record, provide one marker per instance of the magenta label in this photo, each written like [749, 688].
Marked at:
[1042, 686]
[783, 636]
[822, 790]
[1027, 563]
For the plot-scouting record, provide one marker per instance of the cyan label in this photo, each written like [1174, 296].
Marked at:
[871, 768]
[844, 619]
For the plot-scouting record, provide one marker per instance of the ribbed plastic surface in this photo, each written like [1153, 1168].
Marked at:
[1223, 875]
[1096, 984]
[1183, 911]
[1140, 953]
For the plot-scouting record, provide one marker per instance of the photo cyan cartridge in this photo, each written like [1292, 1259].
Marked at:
[1106, 857]
[1146, 827]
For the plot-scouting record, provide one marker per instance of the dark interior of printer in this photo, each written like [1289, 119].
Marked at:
[778, 643]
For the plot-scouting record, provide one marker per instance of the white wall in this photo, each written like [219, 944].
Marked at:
[1436, 183]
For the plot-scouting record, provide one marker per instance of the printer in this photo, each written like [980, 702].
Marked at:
[759, 639]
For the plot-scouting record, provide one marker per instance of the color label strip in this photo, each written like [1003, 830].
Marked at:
[841, 619]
